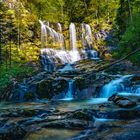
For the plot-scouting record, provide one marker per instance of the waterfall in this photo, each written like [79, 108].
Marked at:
[74, 53]
[69, 95]
[73, 36]
[56, 36]
[43, 34]
[88, 33]
[59, 26]
[86, 36]
[87, 42]
[49, 57]
[115, 86]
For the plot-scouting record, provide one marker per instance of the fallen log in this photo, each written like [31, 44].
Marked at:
[105, 67]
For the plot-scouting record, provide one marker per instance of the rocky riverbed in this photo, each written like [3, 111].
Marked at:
[94, 118]
[37, 108]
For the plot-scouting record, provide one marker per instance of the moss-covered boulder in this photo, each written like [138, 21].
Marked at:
[80, 82]
[50, 87]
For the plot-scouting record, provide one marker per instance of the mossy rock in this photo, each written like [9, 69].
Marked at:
[80, 82]
[29, 96]
[50, 87]
[44, 89]
[82, 115]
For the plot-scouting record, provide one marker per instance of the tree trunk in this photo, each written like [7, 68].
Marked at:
[130, 11]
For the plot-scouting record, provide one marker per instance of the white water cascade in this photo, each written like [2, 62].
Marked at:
[88, 33]
[87, 40]
[119, 86]
[57, 37]
[73, 36]
[74, 53]
[43, 34]
[54, 56]
[59, 26]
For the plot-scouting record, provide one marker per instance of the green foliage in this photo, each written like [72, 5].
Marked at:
[130, 41]
[7, 75]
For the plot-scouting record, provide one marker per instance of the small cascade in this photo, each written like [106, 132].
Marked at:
[66, 68]
[47, 62]
[115, 86]
[70, 93]
[43, 34]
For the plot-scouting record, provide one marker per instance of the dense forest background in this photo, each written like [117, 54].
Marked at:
[20, 29]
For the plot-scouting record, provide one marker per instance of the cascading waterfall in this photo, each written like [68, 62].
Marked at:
[51, 56]
[59, 26]
[87, 40]
[117, 86]
[43, 34]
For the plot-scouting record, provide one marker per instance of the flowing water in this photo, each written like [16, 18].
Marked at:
[70, 92]
[121, 86]
[73, 36]
[43, 34]
[49, 57]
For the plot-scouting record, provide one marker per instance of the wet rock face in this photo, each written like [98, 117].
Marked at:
[122, 101]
